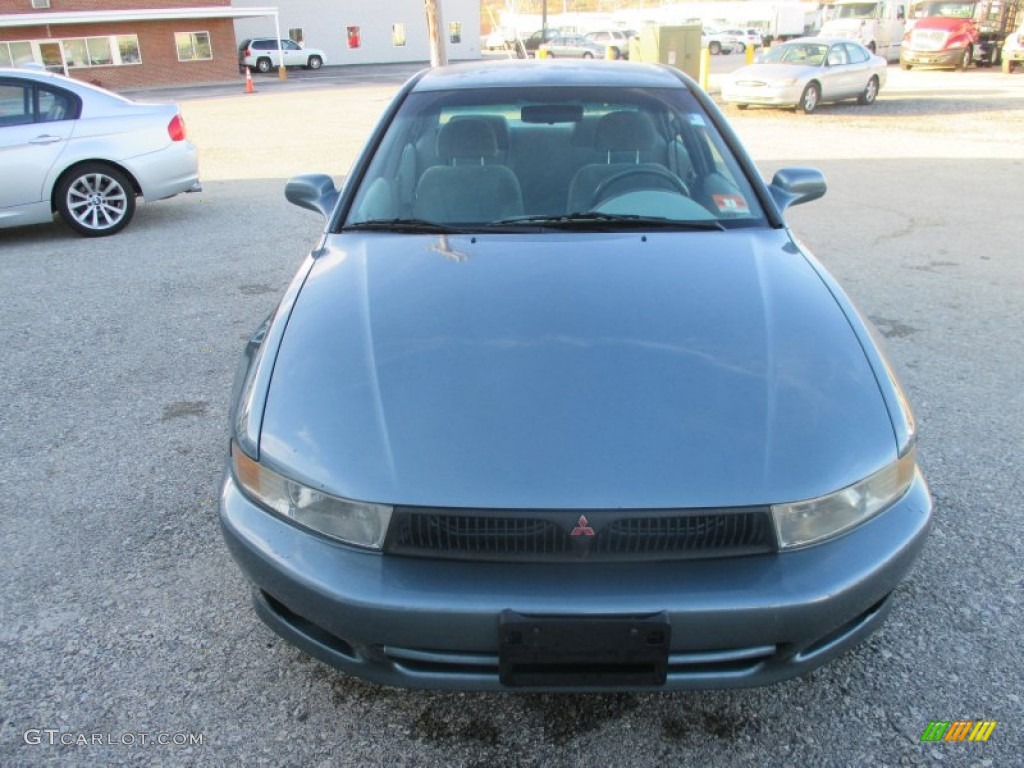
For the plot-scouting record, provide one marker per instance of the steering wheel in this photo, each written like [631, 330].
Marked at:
[664, 178]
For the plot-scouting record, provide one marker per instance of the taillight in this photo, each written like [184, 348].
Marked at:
[246, 54]
[176, 128]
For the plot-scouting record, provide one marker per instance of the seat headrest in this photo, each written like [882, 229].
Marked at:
[624, 132]
[466, 138]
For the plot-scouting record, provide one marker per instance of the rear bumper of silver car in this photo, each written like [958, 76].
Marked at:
[420, 623]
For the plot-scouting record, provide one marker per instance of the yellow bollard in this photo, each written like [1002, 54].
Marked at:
[281, 74]
[750, 54]
[542, 53]
[705, 68]
[609, 53]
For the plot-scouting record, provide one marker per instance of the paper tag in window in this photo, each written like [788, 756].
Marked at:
[734, 204]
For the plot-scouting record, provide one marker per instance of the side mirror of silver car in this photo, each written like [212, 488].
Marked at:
[313, 191]
[793, 186]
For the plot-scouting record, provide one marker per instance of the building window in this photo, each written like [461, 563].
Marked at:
[295, 33]
[76, 54]
[193, 46]
[81, 52]
[455, 32]
[13, 54]
[128, 49]
[353, 37]
[398, 34]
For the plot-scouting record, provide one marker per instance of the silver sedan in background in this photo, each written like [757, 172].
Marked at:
[805, 72]
[86, 153]
[573, 47]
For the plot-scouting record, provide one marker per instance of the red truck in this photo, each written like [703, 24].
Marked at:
[955, 33]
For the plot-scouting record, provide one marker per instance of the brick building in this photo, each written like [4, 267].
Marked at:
[128, 43]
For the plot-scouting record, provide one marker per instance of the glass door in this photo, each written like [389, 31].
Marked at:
[52, 55]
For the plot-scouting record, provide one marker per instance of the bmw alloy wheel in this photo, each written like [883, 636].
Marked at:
[96, 200]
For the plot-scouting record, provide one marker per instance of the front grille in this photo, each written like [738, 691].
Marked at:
[576, 535]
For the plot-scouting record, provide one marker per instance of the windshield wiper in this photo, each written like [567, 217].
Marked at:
[413, 226]
[604, 221]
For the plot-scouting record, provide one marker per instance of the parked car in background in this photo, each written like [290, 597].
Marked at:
[805, 72]
[745, 38]
[71, 148]
[615, 39]
[558, 402]
[528, 46]
[572, 47]
[1012, 55]
[262, 54]
[497, 39]
[717, 41]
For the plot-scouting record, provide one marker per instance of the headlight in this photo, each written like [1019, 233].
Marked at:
[808, 522]
[353, 522]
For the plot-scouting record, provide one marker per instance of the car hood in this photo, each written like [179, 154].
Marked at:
[769, 73]
[572, 371]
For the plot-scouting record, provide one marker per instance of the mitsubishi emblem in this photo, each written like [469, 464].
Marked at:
[582, 527]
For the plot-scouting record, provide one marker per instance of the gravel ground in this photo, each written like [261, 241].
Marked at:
[124, 619]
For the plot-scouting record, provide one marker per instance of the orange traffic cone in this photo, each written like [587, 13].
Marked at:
[248, 82]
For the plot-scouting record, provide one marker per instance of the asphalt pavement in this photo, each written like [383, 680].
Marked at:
[126, 633]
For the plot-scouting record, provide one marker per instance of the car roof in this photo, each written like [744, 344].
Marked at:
[512, 73]
[78, 87]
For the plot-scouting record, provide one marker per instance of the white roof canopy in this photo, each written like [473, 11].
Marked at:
[149, 14]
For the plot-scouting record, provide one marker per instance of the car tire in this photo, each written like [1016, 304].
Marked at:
[95, 199]
[965, 60]
[905, 67]
[742, 106]
[588, 55]
[263, 64]
[616, 53]
[714, 47]
[870, 92]
[809, 98]
[315, 62]
[742, 48]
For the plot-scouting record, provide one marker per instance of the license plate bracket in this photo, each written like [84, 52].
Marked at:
[583, 651]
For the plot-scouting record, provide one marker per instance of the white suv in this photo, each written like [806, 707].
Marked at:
[717, 42]
[261, 53]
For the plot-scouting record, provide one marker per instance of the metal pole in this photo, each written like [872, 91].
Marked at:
[281, 74]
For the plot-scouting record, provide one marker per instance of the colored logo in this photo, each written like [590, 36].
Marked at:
[582, 527]
[958, 730]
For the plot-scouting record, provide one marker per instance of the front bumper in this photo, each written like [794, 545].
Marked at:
[766, 95]
[950, 58]
[435, 624]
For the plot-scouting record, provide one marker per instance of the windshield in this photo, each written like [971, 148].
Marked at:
[855, 11]
[598, 158]
[802, 54]
[964, 10]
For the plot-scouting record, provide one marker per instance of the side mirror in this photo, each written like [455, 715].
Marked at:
[793, 186]
[313, 191]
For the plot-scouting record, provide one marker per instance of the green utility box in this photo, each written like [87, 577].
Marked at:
[678, 47]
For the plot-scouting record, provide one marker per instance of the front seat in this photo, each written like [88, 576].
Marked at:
[466, 189]
[624, 138]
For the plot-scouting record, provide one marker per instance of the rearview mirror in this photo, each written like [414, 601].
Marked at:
[313, 191]
[793, 186]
